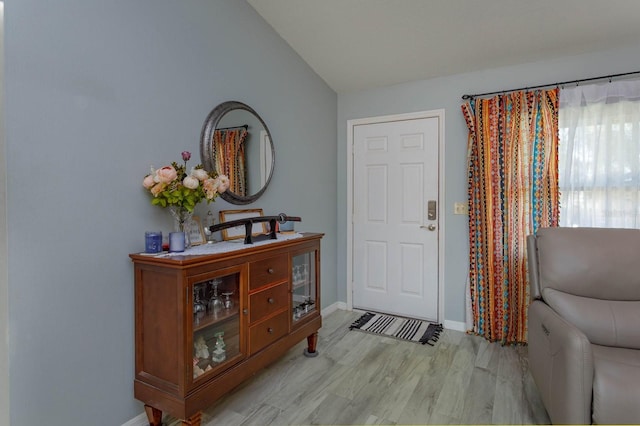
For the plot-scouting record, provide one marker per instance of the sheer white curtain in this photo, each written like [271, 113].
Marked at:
[599, 155]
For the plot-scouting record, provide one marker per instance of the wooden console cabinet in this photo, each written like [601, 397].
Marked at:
[205, 323]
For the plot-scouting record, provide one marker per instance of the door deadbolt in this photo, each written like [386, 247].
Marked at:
[431, 210]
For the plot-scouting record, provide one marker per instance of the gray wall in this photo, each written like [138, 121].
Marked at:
[96, 92]
[445, 93]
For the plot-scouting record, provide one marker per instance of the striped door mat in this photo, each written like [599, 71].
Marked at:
[413, 330]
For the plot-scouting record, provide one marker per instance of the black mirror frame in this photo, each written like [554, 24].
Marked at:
[206, 152]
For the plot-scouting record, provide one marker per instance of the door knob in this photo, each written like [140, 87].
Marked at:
[431, 227]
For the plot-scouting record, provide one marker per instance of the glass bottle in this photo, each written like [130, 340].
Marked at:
[209, 221]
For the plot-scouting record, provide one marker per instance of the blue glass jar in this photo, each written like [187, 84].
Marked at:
[152, 242]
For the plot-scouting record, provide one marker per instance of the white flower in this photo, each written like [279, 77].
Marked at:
[200, 174]
[210, 188]
[166, 174]
[148, 181]
[223, 183]
[190, 182]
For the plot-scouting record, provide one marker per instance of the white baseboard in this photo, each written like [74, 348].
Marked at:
[334, 307]
[455, 325]
[139, 420]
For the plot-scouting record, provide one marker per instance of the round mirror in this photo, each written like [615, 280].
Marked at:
[237, 143]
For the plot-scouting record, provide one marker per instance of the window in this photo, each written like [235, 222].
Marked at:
[599, 155]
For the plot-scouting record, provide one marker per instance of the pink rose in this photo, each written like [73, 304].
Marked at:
[158, 188]
[223, 183]
[190, 182]
[210, 187]
[166, 174]
[148, 181]
[200, 174]
[186, 155]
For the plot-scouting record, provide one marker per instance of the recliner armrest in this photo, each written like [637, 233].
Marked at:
[561, 363]
[532, 265]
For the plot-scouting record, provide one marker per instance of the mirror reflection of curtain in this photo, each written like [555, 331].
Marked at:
[229, 157]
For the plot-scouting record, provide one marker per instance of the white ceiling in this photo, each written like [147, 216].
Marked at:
[362, 44]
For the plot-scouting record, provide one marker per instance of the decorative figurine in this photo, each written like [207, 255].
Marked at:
[197, 371]
[219, 351]
[201, 348]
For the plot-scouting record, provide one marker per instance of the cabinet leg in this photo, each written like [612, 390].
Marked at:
[154, 415]
[310, 350]
[193, 420]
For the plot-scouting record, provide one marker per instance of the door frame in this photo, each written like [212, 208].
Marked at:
[351, 124]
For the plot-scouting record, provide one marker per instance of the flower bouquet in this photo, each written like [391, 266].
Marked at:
[172, 187]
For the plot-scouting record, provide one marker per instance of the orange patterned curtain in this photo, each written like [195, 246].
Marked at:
[229, 157]
[513, 191]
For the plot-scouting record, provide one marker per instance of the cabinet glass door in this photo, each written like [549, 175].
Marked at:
[303, 279]
[216, 323]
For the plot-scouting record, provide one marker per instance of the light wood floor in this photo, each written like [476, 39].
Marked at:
[360, 378]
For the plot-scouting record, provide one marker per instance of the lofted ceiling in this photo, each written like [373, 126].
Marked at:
[361, 44]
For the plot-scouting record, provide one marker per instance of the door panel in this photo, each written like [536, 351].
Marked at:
[411, 279]
[377, 204]
[395, 254]
[376, 266]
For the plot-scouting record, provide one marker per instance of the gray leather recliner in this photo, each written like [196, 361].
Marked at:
[584, 323]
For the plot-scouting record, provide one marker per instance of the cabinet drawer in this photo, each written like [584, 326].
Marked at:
[268, 270]
[267, 332]
[268, 301]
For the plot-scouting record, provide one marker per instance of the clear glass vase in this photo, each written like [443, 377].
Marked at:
[183, 222]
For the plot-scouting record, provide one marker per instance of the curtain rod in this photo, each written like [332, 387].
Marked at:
[246, 127]
[604, 77]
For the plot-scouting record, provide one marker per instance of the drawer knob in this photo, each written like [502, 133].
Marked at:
[270, 330]
[270, 300]
[245, 311]
[270, 270]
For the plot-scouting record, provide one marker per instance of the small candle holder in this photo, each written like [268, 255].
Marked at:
[176, 241]
[152, 242]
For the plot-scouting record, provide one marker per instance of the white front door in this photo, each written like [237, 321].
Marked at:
[395, 217]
